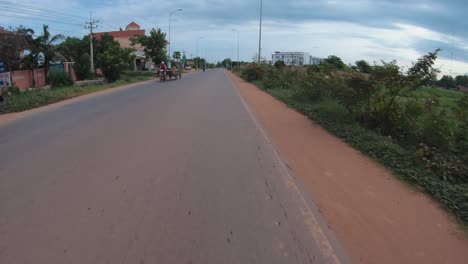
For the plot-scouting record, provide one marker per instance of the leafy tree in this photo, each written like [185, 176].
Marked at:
[177, 55]
[199, 61]
[77, 50]
[280, 64]
[226, 63]
[72, 48]
[47, 47]
[462, 80]
[114, 60]
[363, 66]
[13, 43]
[83, 66]
[423, 71]
[335, 61]
[448, 82]
[154, 45]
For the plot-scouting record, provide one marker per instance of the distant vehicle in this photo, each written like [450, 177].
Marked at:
[188, 68]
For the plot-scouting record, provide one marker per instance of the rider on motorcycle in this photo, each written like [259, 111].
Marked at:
[163, 68]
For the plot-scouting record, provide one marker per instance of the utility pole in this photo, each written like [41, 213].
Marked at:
[198, 59]
[260, 34]
[91, 24]
[169, 52]
[238, 42]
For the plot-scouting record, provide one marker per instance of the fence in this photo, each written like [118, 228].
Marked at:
[36, 78]
[28, 79]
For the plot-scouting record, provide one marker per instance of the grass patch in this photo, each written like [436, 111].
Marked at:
[40, 97]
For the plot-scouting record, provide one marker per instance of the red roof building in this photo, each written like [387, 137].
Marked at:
[123, 36]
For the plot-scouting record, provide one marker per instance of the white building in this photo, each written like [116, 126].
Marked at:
[315, 60]
[295, 58]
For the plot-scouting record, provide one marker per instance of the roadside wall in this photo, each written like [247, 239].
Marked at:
[28, 79]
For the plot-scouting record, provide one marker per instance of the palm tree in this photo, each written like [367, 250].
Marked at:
[47, 47]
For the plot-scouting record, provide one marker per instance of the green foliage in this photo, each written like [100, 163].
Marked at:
[177, 55]
[447, 82]
[253, 72]
[112, 59]
[462, 80]
[83, 67]
[154, 45]
[13, 44]
[418, 132]
[72, 48]
[335, 61]
[279, 65]
[60, 79]
[363, 66]
[14, 90]
[46, 45]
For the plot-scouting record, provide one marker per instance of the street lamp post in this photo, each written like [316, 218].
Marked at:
[198, 59]
[238, 41]
[170, 17]
[260, 33]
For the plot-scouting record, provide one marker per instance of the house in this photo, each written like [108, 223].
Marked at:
[124, 36]
[295, 58]
[124, 39]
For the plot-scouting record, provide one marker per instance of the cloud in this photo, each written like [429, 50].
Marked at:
[367, 29]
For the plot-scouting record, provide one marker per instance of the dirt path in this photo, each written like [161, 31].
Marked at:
[377, 218]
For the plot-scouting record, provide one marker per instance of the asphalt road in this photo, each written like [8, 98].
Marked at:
[175, 172]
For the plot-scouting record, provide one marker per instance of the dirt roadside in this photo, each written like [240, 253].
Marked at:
[377, 218]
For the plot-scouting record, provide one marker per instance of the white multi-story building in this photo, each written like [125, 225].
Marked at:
[315, 60]
[295, 58]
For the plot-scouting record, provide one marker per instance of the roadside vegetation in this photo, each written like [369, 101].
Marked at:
[420, 133]
[20, 101]
[26, 50]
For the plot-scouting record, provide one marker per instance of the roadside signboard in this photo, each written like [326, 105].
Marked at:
[5, 80]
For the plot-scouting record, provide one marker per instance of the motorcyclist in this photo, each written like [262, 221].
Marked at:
[163, 68]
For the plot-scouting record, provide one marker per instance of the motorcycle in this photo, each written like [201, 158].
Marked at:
[162, 75]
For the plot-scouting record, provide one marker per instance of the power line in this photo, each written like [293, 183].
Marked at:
[12, 4]
[42, 19]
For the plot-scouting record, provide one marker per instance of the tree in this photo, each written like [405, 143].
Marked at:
[77, 50]
[363, 66]
[447, 82]
[423, 72]
[279, 64]
[335, 61]
[177, 55]
[154, 45]
[83, 66]
[47, 47]
[199, 61]
[13, 45]
[462, 80]
[114, 60]
[226, 63]
[72, 48]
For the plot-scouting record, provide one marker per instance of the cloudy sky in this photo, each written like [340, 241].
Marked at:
[373, 30]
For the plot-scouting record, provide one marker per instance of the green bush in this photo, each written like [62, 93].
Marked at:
[253, 72]
[420, 133]
[83, 67]
[60, 79]
[14, 90]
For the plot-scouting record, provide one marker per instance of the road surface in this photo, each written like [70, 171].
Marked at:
[175, 172]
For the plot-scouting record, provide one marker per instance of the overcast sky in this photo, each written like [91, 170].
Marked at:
[352, 29]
